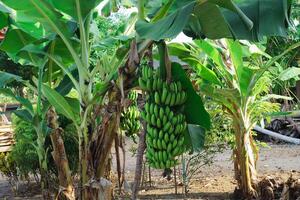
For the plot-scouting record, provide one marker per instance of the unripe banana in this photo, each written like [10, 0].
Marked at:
[143, 114]
[174, 143]
[161, 113]
[158, 144]
[175, 151]
[153, 120]
[160, 156]
[172, 101]
[159, 84]
[154, 86]
[155, 133]
[156, 110]
[172, 87]
[177, 129]
[183, 97]
[171, 115]
[161, 134]
[168, 164]
[163, 144]
[162, 165]
[149, 85]
[172, 138]
[151, 110]
[179, 86]
[158, 123]
[165, 156]
[165, 119]
[169, 147]
[178, 98]
[154, 143]
[150, 72]
[167, 126]
[171, 129]
[166, 137]
[147, 107]
[142, 84]
[167, 111]
[157, 98]
[164, 127]
[168, 99]
[174, 120]
[164, 96]
[148, 118]
[181, 141]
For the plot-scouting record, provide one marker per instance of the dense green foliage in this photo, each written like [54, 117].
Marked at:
[23, 159]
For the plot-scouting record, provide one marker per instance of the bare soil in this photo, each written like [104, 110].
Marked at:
[214, 182]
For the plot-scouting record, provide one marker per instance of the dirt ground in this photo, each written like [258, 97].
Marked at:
[214, 182]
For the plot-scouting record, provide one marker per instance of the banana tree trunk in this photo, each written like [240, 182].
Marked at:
[60, 157]
[95, 149]
[245, 156]
[41, 152]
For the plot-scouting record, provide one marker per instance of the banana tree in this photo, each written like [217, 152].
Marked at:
[62, 39]
[233, 76]
[35, 116]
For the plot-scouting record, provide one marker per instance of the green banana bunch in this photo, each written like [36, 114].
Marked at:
[165, 124]
[130, 122]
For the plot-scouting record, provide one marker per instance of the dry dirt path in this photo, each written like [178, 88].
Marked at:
[216, 181]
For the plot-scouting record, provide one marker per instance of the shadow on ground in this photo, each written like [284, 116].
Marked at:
[200, 196]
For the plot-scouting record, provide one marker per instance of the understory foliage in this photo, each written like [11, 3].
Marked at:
[23, 160]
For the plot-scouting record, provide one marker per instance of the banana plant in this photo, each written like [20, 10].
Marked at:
[61, 42]
[35, 116]
[233, 77]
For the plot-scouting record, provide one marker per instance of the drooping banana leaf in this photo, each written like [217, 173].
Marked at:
[214, 19]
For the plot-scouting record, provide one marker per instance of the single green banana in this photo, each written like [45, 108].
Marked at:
[147, 107]
[174, 143]
[149, 84]
[166, 137]
[164, 95]
[167, 111]
[161, 134]
[142, 84]
[161, 113]
[158, 141]
[160, 156]
[165, 119]
[169, 147]
[154, 86]
[167, 126]
[179, 86]
[163, 144]
[178, 98]
[157, 98]
[153, 120]
[156, 110]
[173, 98]
[158, 123]
[168, 99]
[151, 110]
[165, 156]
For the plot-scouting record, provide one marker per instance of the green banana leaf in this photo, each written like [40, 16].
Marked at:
[4, 12]
[214, 19]
[6, 78]
[194, 109]
[71, 7]
[61, 105]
